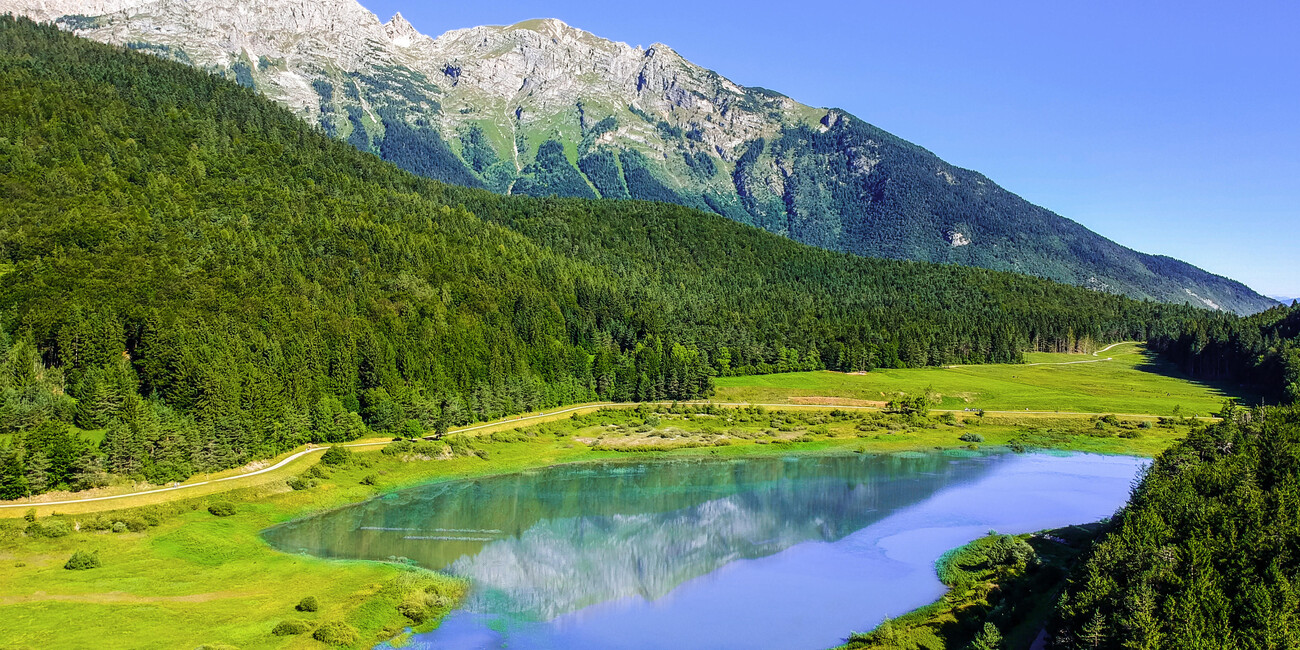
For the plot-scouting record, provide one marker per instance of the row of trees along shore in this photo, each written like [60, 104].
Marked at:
[193, 278]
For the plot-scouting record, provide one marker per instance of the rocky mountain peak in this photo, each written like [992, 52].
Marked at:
[401, 32]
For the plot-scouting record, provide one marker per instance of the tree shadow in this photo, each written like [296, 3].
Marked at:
[1153, 363]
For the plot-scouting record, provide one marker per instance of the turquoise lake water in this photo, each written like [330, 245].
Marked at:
[780, 553]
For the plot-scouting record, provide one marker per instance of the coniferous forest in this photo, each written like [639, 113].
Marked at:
[197, 275]
[1205, 553]
[1262, 350]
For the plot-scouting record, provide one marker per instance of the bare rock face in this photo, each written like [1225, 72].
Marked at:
[541, 79]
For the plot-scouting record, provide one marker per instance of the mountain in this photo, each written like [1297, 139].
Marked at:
[210, 280]
[541, 108]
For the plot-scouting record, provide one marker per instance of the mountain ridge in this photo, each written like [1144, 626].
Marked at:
[541, 108]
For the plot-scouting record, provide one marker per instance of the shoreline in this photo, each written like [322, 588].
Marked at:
[190, 552]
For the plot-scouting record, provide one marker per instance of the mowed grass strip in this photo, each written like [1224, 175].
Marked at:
[1134, 381]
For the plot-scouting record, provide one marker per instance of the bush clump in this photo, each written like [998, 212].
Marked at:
[308, 604]
[336, 633]
[82, 560]
[291, 627]
[222, 509]
[971, 437]
[336, 456]
[49, 528]
[370, 479]
[301, 483]
[119, 527]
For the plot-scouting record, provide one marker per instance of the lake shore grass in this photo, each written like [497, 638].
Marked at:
[181, 576]
[1009, 582]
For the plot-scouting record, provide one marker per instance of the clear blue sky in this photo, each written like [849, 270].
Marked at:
[1169, 127]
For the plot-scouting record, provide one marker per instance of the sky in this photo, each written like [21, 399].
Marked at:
[1170, 127]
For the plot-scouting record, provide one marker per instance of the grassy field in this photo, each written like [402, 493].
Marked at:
[181, 564]
[1133, 381]
[180, 577]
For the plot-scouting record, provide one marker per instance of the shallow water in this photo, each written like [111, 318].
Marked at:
[756, 553]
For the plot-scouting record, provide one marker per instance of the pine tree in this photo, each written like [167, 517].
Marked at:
[13, 478]
[37, 472]
[989, 638]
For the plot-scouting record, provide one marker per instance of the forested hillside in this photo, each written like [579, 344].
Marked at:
[199, 277]
[541, 108]
[1205, 554]
[1262, 351]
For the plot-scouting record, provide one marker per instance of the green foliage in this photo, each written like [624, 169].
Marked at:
[1204, 551]
[49, 528]
[1262, 351]
[336, 456]
[989, 638]
[308, 604]
[291, 627]
[335, 633]
[551, 174]
[971, 437]
[222, 509]
[82, 560]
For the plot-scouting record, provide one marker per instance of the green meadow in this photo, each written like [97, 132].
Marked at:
[168, 561]
[173, 562]
[1133, 381]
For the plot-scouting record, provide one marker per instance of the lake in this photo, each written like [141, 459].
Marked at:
[771, 552]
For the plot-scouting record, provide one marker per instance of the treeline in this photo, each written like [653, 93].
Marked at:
[1262, 351]
[1205, 553]
[198, 276]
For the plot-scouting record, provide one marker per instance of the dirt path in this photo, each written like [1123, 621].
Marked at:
[281, 463]
[1070, 363]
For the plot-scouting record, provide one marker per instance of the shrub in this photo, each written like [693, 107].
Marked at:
[82, 560]
[430, 449]
[399, 447]
[119, 527]
[308, 604]
[948, 418]
[336, 456]
[222, 509]
[49, 528]
[370, 479]
[137, 525]
[299, 483]
[30, 515]
[971, 437]
[98, 522]
[291, 627]
[1146, 424]
[317, 471]
[336, 633]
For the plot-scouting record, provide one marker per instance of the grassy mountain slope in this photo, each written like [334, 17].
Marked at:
[192, 271]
